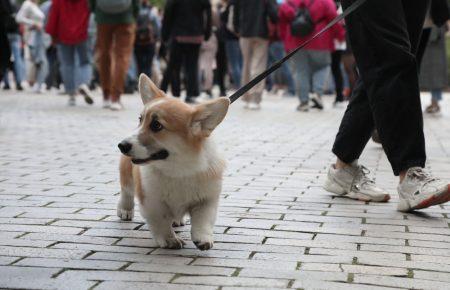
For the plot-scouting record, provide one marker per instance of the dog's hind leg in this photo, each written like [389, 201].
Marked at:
[125, 207]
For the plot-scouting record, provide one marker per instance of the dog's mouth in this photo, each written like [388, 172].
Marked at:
[160, 155]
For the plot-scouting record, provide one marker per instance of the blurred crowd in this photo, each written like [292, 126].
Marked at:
[191, 47]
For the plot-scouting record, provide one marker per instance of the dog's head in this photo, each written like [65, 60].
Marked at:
[170, 129]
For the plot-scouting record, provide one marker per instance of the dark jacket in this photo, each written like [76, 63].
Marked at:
[251, 17]
[5, 11]
[9, 18]
[186, 18]
[225, 33]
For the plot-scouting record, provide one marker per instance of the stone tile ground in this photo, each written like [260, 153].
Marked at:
[276, 228]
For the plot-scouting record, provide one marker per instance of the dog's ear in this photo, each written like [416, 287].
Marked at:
[208, 115]
[148, 89]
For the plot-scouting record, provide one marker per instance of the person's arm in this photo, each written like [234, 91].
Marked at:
[272, 9]
[92, 4]
[21, 16]
[208, 19]
[286, 14]
[330, 12]
[136, 9]
[235, 5]
[167, 21]
[53, 17]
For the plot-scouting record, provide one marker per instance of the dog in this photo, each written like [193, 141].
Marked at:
[173, 167]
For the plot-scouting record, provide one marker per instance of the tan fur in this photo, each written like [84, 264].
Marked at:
[188, 180]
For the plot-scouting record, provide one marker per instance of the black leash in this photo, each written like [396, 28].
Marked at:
[278, 64]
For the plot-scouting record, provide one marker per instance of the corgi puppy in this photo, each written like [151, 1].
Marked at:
[172, 166]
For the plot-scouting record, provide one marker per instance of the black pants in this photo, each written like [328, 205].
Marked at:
[384, 36]
[144, 58]
[337, 74]
[221, 70]
[184, 55]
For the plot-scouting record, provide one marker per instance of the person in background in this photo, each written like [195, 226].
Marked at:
[186, 24]
[15, 42]
[276, 52]
[232, 49]
[221, 55]
[208, 51]
[116, 25]
[433, 67]
[148, 29]
[312, 62]
[67, 24]
[336, 69]
[251, 22]
[33, 18]
[5, 52]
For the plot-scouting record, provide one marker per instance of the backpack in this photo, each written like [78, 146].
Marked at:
[114, 6]
[145, 32]
[302, 25]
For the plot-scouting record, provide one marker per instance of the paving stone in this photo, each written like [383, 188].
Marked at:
[231, 281]
[108, 285]
[276, 227]
[73, 264]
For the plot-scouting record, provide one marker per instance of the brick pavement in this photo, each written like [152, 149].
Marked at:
[276, 228]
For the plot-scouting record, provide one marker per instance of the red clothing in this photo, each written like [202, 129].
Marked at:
[68, 21]
[322, 12]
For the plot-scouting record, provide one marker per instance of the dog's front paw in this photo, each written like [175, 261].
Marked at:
[124, 214]
[204, 245]
[172, 243]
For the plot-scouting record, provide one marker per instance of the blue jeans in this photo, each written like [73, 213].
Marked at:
[276, 52]
[234, 56]
[75, 65]
[310, 67]
[436, 95]
[19, 64]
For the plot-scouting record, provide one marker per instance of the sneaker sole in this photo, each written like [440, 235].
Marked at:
[337, 189]
[434, 200]
[87, 98]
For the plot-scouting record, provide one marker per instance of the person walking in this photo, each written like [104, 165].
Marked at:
[232, 49]
[33, 18]
[15, 43]
[251, 23]
[147, 34]
[5, 13]
[207, 59]
[116, 25]
[186, 24]
[67, 24]
[433, 68]
[387, 97]
[311, 64]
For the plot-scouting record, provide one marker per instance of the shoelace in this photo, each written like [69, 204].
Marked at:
[420, 175]
[362, 177]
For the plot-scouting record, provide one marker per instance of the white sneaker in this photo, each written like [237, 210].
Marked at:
[353, 182]
[86, 93]
[317, 102]
[116, 106]
[254, 106]
[420, 190]
[72, 101]
[106, 104]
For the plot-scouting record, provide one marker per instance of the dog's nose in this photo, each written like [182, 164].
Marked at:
[125, 147]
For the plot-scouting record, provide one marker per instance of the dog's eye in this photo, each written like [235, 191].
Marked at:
[156, 126]
[140, 119]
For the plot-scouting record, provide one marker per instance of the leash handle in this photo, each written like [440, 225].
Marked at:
[355, 5]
